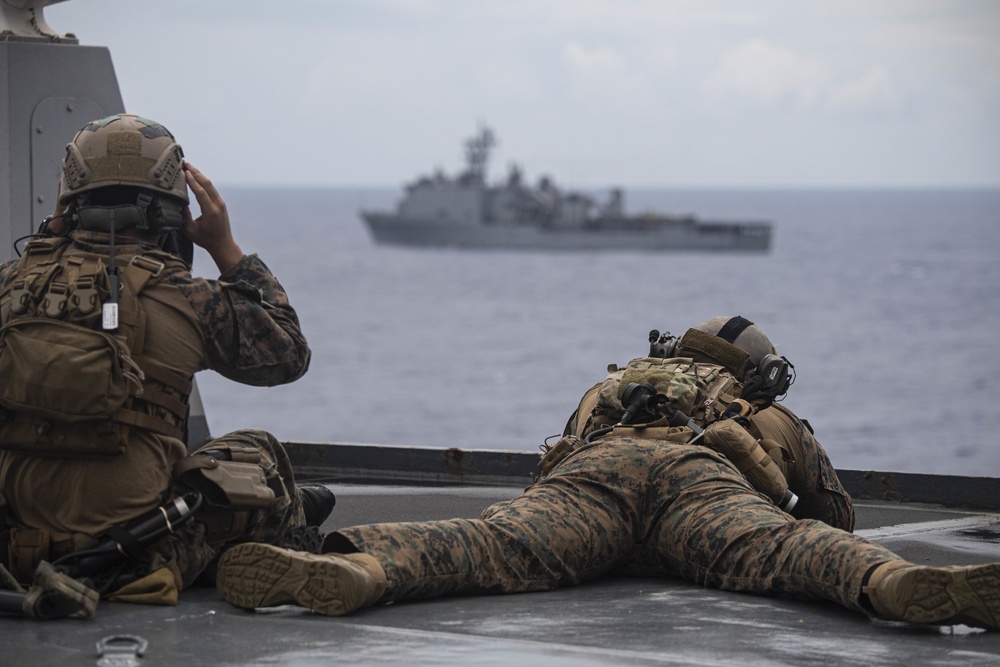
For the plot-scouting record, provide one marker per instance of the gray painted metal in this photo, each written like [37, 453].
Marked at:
[706, 236]
[466, 212]
[52, 89]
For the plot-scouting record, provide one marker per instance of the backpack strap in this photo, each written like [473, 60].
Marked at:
[141, 272]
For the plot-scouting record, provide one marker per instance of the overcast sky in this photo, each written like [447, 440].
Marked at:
[672, 93]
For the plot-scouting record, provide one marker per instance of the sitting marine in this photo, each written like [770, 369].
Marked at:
[103, 329]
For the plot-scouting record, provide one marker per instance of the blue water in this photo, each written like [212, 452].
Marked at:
[887, 302]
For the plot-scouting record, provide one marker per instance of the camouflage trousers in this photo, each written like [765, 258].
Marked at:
[625, 506]
[192, 549]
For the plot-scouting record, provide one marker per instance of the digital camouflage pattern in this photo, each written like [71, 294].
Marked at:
[628, 506]
[807, 467]
[250, 331]
[190, 551]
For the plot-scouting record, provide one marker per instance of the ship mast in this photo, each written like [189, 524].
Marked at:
[477, 153]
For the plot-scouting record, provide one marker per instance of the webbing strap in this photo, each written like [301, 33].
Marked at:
[732, 329]
[164, 400]
[163, 375]
[149, 422]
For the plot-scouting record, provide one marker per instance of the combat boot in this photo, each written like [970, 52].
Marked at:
[262, 575]
[317, 503]
[902, 591]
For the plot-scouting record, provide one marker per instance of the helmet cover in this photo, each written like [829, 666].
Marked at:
[123, 150]
[742, 333]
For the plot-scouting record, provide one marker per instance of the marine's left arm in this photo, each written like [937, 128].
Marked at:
[250, 331]
[810, 474]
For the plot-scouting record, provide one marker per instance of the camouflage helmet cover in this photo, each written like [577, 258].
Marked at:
[123, 150]
[742, 333]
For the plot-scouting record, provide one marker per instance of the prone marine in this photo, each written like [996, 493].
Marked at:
[680, 464]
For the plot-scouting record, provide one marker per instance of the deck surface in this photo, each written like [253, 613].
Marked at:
[609, 622]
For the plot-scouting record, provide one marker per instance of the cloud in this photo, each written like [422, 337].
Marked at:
[872, 93]
[768, 77]
[601, 71]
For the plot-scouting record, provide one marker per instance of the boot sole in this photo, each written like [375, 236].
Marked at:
[937, 596]
[262, 575]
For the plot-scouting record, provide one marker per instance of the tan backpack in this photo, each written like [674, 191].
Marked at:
[67, 387]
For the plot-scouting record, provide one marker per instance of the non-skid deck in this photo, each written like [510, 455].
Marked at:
[613, 621]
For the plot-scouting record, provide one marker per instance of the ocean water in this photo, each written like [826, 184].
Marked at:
[886, 302]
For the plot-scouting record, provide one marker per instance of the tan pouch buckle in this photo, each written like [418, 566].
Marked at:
[151, 265]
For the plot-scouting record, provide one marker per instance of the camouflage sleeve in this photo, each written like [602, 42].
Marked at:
[251, 332]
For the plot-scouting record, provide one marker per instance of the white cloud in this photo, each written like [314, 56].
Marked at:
[872, 93]
[769, 77]
[602, 71]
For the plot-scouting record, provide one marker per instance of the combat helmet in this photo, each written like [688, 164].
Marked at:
[742, 333]
[735, 342]
[127, 163]
[739, 345]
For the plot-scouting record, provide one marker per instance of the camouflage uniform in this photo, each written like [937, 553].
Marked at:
[808, 470]
[241, 326]
[625, 506]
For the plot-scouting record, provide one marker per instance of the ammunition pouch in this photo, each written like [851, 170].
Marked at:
[751, 458]
[231, 488]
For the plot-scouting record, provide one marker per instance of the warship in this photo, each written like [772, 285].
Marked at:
[467, 212]
[54, 85]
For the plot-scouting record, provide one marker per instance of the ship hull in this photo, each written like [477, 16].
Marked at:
[656, 237]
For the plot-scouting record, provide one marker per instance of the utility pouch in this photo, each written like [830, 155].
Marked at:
[759, 468]
[232, 490]
[64, 372]
[27, 548]
[558, 453]
[70, 384]
[233, 485]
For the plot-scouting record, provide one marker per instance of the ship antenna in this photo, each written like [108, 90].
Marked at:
[477, 152]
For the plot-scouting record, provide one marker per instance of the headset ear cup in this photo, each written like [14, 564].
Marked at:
[751, 387]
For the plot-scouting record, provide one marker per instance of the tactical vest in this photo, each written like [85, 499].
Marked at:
[701, 391]
[67, 387]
